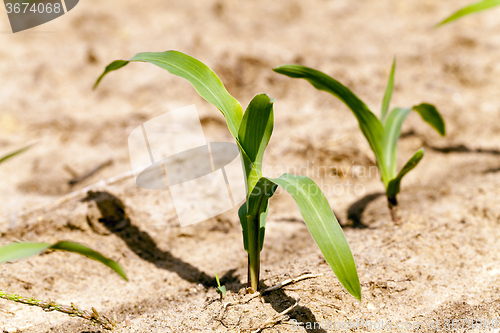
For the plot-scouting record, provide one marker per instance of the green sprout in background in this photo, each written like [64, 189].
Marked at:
[14, 153]
[470, 9]
[221, 290]
[252, 131]
[383, 134]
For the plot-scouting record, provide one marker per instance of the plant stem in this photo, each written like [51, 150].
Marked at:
[72, 310]
[253, 252]
[392, 204]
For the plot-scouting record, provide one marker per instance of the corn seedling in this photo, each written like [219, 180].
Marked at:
[17, 251]
[251, 131]
[383, 134]
[470, 9]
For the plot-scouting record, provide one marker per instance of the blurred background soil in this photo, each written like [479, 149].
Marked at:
[441, 263]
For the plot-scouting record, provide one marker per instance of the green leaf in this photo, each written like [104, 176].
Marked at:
[388, 93]
[204, 80]
[88, 252]
[392, 131]
[242, 214]
[16, 251]
[320, 220]
[470, 9]
[369, 124]
[220, 289]
[393, 125]
[395, 184]
[258, 201]
[14, 153]
[431, 115]
[254, 133]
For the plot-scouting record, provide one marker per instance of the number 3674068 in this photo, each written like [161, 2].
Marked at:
[33, 8]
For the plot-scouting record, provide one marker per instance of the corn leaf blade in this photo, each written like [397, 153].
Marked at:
[258, 205]
[369, 124]
[204, 80]
[320, 221]
[254, 134]
[395, 185]
[470, 9]
[392, 128]
[431, 115]
[17, 251]
[393, 125]
[89, 253]
[388, 93]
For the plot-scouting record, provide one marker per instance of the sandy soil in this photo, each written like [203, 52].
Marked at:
[440, 264]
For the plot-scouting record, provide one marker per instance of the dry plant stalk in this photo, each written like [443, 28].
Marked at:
[71, 310]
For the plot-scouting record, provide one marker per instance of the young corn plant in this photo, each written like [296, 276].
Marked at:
[470, 9]
[252, 131]
[382, 134]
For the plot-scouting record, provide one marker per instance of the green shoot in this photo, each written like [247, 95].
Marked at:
[251, 131]
[220, 289]
[17, 251]
[470, 9]
[14, 153]
[383, 134]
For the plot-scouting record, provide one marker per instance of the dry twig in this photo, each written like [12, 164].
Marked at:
[78, 179]
[273, 320]
[269, 289]
[272, 288]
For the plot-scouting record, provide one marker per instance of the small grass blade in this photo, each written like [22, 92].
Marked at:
[242, 214]
[220, 289]
[369, 124]
[395, 184]
[470, 9]
[14, 153]
[388, 93]
[17, 251]
[204, 80]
